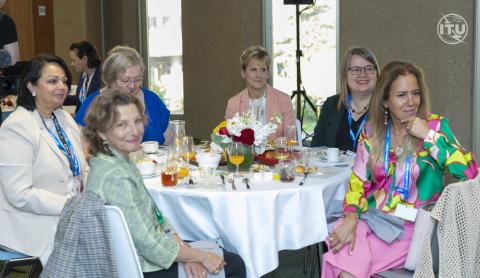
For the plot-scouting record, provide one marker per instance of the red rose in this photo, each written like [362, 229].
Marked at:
[223, 131]
[247, 137]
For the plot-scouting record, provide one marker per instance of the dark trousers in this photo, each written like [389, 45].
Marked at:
[235, 268]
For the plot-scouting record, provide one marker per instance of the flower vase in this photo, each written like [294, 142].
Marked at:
[247, 161]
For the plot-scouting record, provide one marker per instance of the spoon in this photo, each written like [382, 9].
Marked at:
[245, 180]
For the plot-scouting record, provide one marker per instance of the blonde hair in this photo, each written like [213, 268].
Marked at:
[376, 117]
[254, 52]
[363, 52]
[119, 59]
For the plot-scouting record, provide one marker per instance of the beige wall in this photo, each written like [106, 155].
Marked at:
[76, 20]
[215, 32]
[121, 23]
[407, 30]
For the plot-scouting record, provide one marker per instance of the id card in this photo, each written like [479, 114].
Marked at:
[407, 213]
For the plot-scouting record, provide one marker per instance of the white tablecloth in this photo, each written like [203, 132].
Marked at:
[256, 223]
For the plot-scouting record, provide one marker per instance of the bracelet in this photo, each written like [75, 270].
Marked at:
[430, 136]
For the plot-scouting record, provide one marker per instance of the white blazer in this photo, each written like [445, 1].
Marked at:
[34, 174]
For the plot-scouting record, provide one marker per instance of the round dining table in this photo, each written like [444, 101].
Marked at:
[259, 222]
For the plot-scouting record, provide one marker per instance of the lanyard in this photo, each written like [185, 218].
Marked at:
[352, 135]
[406, 176]
[83, 90]
[158, 214]
[65, 146]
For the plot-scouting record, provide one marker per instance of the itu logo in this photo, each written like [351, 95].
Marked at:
[452, 29]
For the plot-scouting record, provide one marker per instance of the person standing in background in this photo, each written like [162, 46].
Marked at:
[8, 35]
[86, 62]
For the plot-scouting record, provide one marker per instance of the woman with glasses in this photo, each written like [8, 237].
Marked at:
[344, 115]
[123, 70]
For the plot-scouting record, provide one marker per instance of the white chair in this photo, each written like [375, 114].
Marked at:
[126, 258]
[298, 126]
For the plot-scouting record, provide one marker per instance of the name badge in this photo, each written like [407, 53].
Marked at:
[407, 213]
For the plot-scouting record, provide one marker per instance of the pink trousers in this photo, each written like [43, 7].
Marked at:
[370, 254]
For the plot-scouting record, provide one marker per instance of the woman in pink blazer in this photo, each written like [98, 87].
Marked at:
[262, 99]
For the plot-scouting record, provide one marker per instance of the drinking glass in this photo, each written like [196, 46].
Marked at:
[281, 148]
[169, 174]
[188, 152]
[291, 134]
[236, 155]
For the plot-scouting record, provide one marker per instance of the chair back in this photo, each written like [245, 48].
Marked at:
[126, 258]
[298, 126]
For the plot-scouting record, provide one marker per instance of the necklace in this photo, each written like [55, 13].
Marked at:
[358, 112]
[398, 145]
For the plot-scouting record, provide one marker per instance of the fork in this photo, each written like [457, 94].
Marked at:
[245, 180]
[223, 180]
[304, 178]
[232, 181]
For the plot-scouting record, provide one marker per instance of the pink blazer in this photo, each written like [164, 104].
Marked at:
[277, 103]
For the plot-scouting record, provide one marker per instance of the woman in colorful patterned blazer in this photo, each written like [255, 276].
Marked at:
[402, 156]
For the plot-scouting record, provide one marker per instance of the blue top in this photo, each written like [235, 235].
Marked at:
[156, 111]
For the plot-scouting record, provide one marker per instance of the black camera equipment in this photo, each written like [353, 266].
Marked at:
[299, 93]
[10, 78]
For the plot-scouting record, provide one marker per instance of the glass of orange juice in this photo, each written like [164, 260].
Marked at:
[236, 155]
[291, 134]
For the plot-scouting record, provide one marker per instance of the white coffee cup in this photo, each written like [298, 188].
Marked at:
[146, 168]
[150, 146]
[331, 154]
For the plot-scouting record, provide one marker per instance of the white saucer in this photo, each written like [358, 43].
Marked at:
[149, 176]
[340, 159]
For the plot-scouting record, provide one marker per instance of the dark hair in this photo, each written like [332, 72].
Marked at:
[102, 115]
[33, 72]
[85, 48]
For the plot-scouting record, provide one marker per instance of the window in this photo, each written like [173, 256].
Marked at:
[318, 42]
[164, 33]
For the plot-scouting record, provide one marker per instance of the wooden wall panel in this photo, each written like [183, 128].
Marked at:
[43, 26]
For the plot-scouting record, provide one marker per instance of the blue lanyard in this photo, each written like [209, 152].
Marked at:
[352, 135]
[83, 89]
[406, 176]
[65, 146]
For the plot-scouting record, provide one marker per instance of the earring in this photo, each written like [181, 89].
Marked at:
[34, 93]
[385, 120]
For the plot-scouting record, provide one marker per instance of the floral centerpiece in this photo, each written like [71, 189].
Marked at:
[243, 127]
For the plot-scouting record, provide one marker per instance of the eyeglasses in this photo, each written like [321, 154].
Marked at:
[359, 70]
[128, 81]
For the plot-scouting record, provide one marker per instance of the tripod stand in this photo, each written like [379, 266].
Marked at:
[299, 93]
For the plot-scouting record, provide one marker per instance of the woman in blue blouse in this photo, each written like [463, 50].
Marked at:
[123, 70]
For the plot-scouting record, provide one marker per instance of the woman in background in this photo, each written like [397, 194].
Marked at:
[344, 115]
[402, 157]
[41, 161]
[260, 98]
[123, 70]
[114, 128]
[86, 62]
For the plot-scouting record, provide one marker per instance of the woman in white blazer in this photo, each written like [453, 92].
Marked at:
[41, 159]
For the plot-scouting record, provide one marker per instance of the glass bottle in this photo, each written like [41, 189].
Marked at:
[175, 146]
